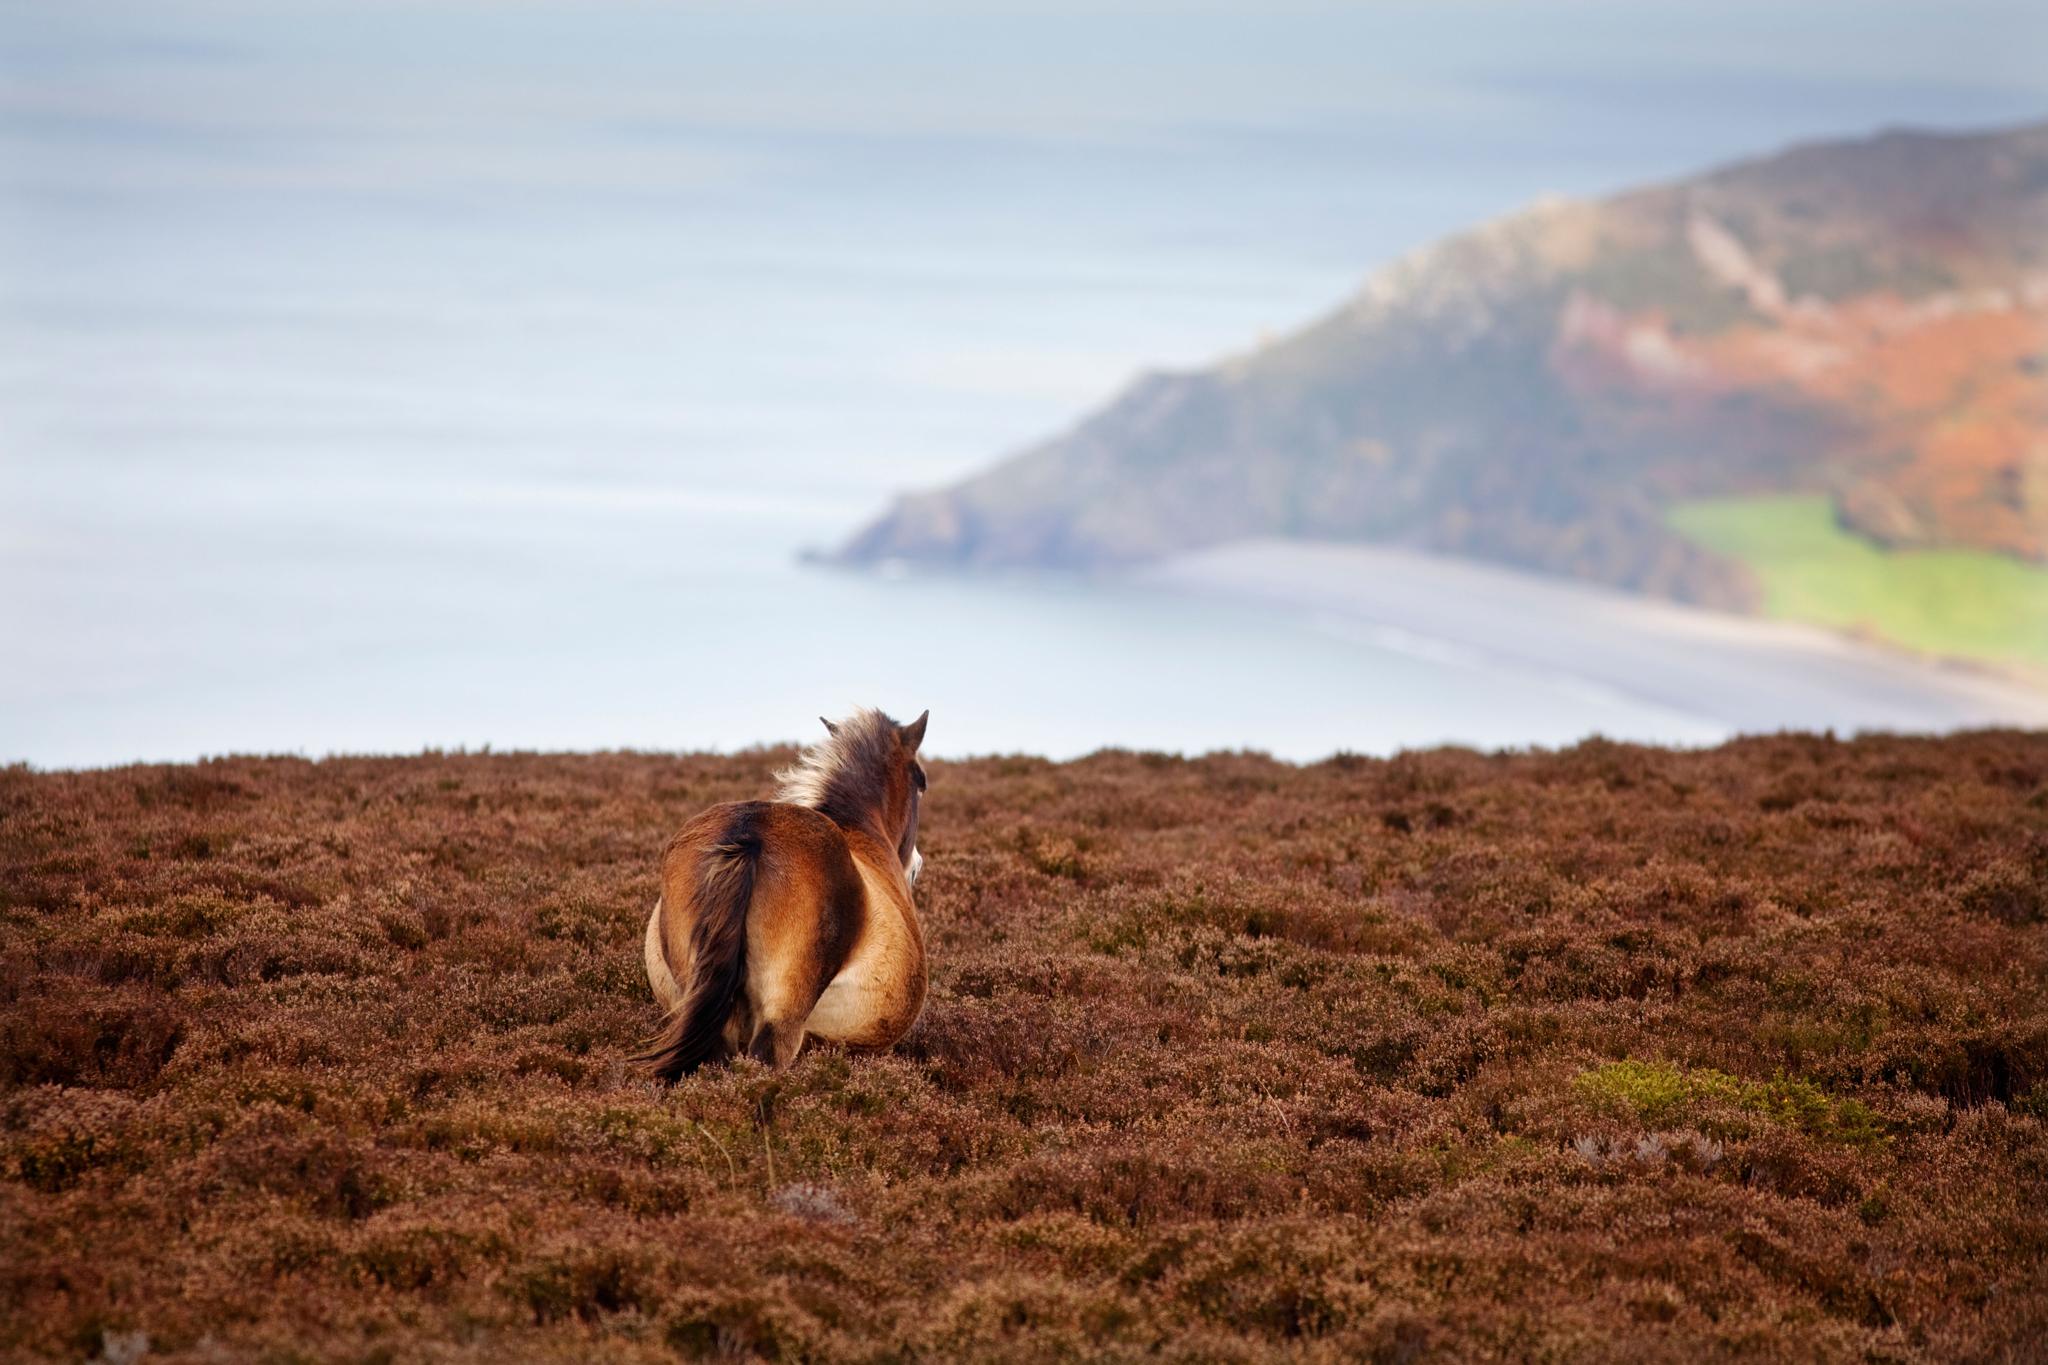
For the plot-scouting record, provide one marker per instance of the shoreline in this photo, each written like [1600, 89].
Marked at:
[1740, 672]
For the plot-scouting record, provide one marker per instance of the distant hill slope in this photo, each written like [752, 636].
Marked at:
[1866, 320]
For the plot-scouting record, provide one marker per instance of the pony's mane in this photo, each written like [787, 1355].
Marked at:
[844, 775]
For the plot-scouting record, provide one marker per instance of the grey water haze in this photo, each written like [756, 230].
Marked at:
[381, 376]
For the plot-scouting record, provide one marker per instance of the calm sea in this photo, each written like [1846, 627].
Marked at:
[379, 376]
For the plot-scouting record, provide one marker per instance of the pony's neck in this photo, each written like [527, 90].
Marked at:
[848, 813]
[846, 776]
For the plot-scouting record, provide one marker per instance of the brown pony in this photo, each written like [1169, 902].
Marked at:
[779, 919]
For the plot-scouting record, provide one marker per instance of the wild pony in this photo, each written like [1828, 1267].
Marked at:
[785, 918]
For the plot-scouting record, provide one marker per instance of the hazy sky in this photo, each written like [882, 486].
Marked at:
[1056, 72]
[374, 374]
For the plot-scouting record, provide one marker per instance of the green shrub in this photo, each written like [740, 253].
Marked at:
[1661, 1094]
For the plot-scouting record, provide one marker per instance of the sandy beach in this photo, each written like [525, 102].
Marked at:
[1729, 672]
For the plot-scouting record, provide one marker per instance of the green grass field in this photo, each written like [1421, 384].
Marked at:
[1961, 603]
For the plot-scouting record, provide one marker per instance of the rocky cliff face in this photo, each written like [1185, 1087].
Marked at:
[1867, 319]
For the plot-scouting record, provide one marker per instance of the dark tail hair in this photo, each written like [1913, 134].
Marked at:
[695, 1031]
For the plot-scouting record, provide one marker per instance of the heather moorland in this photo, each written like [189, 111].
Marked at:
[1612, 1052]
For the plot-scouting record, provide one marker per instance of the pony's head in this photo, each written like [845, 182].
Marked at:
[864, 774]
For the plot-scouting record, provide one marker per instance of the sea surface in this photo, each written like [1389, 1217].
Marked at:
[380, 376]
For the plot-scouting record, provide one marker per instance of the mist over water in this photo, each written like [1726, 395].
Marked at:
[385, 376]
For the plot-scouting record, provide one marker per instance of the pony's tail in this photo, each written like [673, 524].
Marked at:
[695, 1030]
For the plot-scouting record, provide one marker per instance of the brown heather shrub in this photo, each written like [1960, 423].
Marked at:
[1612, 1053]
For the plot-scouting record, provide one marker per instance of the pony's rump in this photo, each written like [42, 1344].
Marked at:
[694, 1031]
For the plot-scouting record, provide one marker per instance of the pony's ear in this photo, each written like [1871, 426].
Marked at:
[830, 728]
[913, 733]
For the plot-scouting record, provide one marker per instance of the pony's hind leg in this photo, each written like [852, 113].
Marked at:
[781, 994]
[806, 920]
[777, 1044]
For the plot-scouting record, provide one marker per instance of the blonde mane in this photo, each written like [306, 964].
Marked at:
[846, 770]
